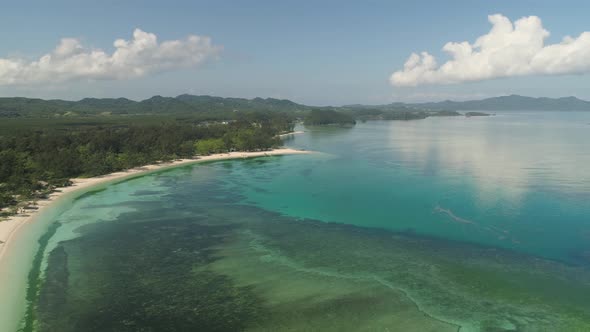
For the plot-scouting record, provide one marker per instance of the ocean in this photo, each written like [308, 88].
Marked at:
[441, 224]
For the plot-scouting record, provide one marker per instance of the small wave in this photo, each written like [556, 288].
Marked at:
[499, 233]
[453, 216]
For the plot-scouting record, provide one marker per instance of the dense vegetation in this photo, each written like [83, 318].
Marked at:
[34, 159]
[326, 117]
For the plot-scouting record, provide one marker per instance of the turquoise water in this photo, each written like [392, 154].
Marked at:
[443, 224]
[515, 180]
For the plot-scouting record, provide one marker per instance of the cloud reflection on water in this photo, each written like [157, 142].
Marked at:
[505, 156]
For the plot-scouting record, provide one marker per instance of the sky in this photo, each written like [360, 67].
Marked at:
[312, 52]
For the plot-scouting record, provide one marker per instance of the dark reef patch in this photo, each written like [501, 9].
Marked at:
[148, 276]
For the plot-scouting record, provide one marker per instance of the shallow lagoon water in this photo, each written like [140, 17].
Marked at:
[443, 224]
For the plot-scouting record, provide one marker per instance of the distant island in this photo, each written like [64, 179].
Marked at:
[445, 113]
[469, 114]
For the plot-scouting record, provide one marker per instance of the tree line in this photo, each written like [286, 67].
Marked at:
[327, 117]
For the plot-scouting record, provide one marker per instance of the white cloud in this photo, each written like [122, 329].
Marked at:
[133, 58]
[507, 50]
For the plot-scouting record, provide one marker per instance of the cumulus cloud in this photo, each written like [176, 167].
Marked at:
[506, 50]
[141, 55]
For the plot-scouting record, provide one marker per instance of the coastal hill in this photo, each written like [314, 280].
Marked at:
[33, 107]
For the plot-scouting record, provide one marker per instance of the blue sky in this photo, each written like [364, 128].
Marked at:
[314, 52]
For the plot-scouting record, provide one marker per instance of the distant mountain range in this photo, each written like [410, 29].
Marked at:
[507, 103]
[27, 107]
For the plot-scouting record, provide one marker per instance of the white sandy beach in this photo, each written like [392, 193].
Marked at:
[13, 230]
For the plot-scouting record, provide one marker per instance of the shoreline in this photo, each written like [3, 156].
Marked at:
[12, 228]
